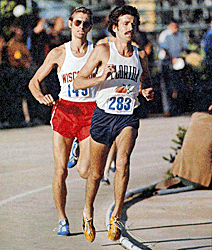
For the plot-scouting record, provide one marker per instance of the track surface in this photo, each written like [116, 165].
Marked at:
[29, 217]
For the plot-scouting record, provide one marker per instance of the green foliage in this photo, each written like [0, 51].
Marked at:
[7, 8]
[179, 141]
[168, 174]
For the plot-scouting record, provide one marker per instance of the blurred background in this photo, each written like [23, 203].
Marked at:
[31, 28]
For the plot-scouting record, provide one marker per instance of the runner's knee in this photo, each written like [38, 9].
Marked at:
[97, 175]
[83, 173]
[61, 173]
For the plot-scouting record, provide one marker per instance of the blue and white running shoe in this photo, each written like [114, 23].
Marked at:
[113, 166]
[73, 158]
[63, 228]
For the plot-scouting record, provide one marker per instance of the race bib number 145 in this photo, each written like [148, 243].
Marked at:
[77, 93]
[120, 103]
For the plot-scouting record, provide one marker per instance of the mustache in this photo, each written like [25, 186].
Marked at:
[129, 32]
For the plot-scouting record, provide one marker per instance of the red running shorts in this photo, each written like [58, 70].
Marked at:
[72, 119]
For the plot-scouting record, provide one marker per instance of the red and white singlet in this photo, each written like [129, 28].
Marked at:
[69, 70]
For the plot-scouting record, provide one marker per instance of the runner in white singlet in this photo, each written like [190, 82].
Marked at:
[72, 113]
[121, 69]
[118, 94]
[68, 72]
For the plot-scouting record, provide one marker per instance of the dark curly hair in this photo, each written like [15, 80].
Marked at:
[120, 11]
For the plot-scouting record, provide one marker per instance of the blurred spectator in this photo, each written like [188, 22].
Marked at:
[45, 36]
[103, 32]
[38, 43]
[194, 161]
[56, 36]
[142, 42]
[2, 45]
[119, 2]
[19, 61]
[208, 52]
[3, 113]
[163, 67]
[165, 33]
[174, 44]
[18, 54]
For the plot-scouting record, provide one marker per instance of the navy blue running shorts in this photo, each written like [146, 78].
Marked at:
[106, 127]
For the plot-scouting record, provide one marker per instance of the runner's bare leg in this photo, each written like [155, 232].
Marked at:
[83, 163]
[125, 142]
[61, 148]
[98, 157]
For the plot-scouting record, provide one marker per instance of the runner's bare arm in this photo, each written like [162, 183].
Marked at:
[145, 87]
[98, 57]
[34, 84]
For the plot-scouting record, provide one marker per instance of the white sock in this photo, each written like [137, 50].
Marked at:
[106, 175]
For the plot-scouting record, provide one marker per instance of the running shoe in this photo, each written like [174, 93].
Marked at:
[63, 228]
[88, 229]
[105, 181]
[73, 158]
[113, 166]
[114, 233]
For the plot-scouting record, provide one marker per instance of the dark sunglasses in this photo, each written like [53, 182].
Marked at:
[86, 24]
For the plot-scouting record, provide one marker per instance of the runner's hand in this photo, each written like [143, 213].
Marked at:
[148, 93]
[48, 100]
[107, 71]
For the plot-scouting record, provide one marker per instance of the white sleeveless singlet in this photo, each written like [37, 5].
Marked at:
[118, 94]
[69, 70]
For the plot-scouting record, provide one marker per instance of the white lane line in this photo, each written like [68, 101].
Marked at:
[3, 202]
[23, 194]
[20, 171]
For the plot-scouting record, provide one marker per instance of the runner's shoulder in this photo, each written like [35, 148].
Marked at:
[102, 49]
[57, 52]
[102, 46]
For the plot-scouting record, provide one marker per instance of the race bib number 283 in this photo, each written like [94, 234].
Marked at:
[120, 103]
